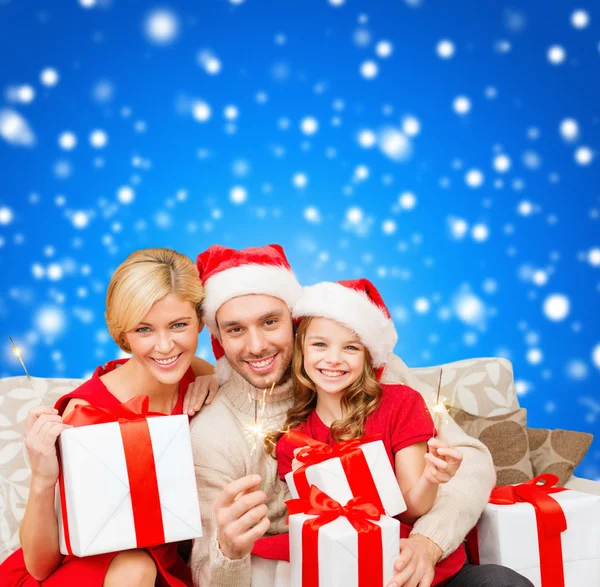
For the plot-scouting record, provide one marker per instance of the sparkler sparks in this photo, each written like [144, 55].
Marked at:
[17, 353]
[255, 433]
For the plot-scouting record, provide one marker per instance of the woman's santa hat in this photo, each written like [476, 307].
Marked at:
[228, 273]
[357, 304]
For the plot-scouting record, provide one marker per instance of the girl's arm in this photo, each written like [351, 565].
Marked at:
[418, 489]
[39, 528]
[420, 472]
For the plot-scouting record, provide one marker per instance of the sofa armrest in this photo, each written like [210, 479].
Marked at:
[583, 485]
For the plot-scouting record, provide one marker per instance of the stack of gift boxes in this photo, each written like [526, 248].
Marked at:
[341, 524]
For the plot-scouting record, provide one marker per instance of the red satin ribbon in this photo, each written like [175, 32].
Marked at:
[359, 513]
[139, 458]
[550, 521]
[352, 458]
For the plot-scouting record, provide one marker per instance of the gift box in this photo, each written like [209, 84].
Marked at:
[545, 533]
[127, 483]
[340, 546]
[352, 468]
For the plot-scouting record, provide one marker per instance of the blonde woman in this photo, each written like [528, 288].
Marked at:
[152, 312]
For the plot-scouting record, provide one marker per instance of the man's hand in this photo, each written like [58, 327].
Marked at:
[416, 564]
[241, 516]
[200, 393]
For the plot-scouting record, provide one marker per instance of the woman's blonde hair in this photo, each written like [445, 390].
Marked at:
[359, 400]
[143, 279]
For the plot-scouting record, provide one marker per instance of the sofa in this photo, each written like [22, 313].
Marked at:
[475, 390]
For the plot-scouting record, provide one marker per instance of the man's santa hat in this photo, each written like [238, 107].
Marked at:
[357, 304]
[228, 273]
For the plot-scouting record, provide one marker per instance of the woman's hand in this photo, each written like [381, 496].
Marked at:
[200, 393]
[441, 462]
[42, 428]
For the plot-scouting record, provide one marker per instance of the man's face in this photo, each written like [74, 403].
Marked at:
[258, 337]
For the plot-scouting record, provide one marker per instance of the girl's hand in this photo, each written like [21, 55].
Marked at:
[296, 464]
[441, 462]
[200, 393]
[42, 428]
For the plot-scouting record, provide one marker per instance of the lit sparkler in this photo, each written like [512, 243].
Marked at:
[255, 432]
[17, 353]
[439, 407]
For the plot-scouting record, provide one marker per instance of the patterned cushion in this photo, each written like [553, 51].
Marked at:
[17, 397]
[557, 451]
[506, 438]
[482, 387]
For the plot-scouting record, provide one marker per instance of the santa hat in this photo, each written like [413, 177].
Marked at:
[228, 273]
[357, 304]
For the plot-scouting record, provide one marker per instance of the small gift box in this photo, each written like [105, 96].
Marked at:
[352, 468]
[548, 534]
[127, 481]
[340, 546]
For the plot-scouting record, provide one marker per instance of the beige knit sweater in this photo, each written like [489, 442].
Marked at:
[223, 453]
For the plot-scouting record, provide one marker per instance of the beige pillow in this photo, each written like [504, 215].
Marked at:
[507, 440]
[17, 397]
[557, 451]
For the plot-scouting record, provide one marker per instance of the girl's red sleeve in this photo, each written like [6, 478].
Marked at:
[411, 420]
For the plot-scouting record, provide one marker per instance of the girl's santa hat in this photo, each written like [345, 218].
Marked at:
[357, 304]
[228, 273]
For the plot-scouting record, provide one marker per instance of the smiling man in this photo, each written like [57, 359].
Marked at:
[247, 303]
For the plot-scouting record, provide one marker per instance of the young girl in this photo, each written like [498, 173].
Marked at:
[152, 312]
[343, 338]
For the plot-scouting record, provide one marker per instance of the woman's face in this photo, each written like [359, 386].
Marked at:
[166, 339]
[334, 357]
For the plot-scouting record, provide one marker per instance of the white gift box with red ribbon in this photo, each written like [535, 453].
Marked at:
[335, 546]
[112, 500]
[521, 536]
[346, 470]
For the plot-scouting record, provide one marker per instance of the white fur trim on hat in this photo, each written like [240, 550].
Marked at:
[223, 370]
[269, 280]
[353, 309]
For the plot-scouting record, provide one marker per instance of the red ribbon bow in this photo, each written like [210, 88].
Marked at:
[352, 458]
[550, 521]
[360, 513]
[139, 458]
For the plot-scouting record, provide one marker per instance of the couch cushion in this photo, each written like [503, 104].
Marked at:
[557, 451]
[17, 397]
[507, 440]
[482, 387]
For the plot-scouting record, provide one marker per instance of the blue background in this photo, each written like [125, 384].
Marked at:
[63, 228]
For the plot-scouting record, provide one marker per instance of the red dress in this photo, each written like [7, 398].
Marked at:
[91, 570]
[402, 419]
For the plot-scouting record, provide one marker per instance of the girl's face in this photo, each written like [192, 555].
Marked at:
[166, 339]
[334, 357]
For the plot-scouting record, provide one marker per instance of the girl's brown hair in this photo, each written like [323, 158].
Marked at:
[358, 401]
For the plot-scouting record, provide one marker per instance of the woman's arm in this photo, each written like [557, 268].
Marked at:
[202, 367]
[39, 528]
[418, 490]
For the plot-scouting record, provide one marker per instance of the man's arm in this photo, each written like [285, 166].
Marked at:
[208, 563]
[219, 557]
